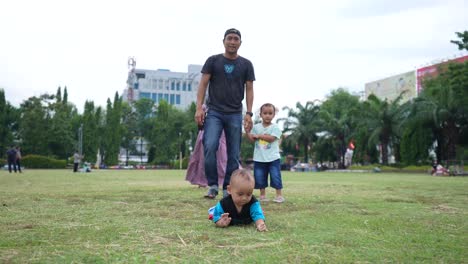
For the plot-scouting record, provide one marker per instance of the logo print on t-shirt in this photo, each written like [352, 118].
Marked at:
[228, 68]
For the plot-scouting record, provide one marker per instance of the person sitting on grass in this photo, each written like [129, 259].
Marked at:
[240, 207]
[441, 171]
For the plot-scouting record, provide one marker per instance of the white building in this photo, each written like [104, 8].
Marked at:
[177, 88]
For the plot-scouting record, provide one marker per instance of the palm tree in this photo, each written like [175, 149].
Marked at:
[302, 124]
[383, 120]
[442, 104]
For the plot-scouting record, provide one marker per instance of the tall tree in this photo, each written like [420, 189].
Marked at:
[91, 136]
[144, 111]
[113, 130]
[65, 95]
[58, 95]
[442, 103]
[303, 125]
[35, 124]
[415, 142]
[463, 42]
[383, 119]
[167, 135]
[60, 135]
[8, 123]
[365, 152]
[337, 115]
[129, 131]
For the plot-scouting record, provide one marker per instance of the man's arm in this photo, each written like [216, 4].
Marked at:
[249, 97]
[199, 113]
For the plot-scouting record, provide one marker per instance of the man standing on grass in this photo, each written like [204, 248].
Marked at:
[76, 161]
[11, 156]
[228, 76]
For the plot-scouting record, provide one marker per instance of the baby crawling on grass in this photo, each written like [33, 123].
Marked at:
[240, 207]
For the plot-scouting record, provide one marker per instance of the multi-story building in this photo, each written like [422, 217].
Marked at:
[411, 83]
[391, 87]
[177, 88]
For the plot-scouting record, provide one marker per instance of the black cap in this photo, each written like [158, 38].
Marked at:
[232, 31]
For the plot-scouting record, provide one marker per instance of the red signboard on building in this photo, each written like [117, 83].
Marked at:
[431, 71]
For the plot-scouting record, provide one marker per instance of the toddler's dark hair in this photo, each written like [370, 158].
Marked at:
[268, 105]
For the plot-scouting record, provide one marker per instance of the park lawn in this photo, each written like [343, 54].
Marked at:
[138, 216]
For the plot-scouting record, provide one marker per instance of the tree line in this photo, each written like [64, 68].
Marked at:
[437, 120]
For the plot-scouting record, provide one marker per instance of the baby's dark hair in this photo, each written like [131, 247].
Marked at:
[268, 105]
[241, 174]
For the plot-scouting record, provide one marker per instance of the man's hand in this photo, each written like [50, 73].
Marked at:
[200, 117]
[224, 220]
[261, 225]
[248, 123]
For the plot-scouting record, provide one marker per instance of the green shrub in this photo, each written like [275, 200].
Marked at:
[417, 168]
[42, 162]
[363, 167]
[175, 164]
[371, 167]
[392, 168]
[2, 162]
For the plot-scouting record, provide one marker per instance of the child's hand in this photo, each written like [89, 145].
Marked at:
[248, 123]
[261, 226]
[224, 220]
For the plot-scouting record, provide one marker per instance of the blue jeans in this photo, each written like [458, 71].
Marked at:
[215, 122]
[261, 170]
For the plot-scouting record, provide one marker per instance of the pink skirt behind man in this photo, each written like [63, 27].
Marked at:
[196, 167]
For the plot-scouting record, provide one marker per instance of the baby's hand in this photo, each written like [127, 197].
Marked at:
[261, 226]
[224, 220]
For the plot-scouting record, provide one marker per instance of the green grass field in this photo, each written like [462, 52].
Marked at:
[55, 216]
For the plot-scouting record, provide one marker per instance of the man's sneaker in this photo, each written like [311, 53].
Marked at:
[278, 199]
[212, 192]
[263, 198]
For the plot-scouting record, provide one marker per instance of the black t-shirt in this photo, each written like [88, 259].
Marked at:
[242, 218]
[227, 83]
[11, 154]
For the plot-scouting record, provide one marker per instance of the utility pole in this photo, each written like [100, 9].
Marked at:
[141, 150]
[131, 79]
[80, 140]
[180, 151]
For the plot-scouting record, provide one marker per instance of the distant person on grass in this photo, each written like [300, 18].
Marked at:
[11, 158]
[240, 207]
[18, 159]
[266, 136]
[76, 161]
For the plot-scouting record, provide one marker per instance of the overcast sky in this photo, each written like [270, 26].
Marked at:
[301, 50]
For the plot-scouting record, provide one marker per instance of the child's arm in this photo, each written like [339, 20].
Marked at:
[251, 137]
[267, 138]
[220, 218]
[273, 134]
[257, 215]
[261, 225]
